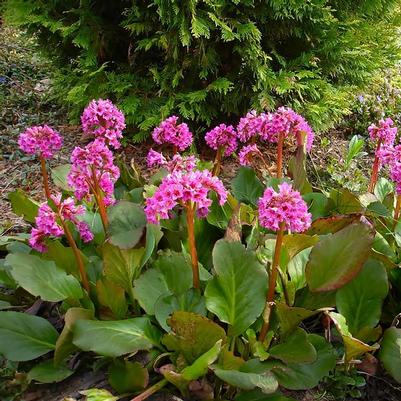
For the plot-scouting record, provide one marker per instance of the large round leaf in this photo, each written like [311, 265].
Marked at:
[48, 372]
[237, 293]
[115, 338]
[360, 301]
[43, 278]
[127, 223]
[121, 266]
[390, 352]
[339, 257]
[265, 381]
[308, 375]
[171, 275]
[24, 337]
[246, 186]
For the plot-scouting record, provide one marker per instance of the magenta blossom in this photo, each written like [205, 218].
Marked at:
[41, 140]
[177, 163]
[172, 133]
[180, 188]
[92, 169]
[249, 126]
[384, 132]
[285, 206]
[247, 153]
[47, 222]
[395, 175]
[288, 123]
[222, 137]
[103, 120]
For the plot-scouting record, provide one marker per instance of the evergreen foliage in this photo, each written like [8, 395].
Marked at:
[213, 59]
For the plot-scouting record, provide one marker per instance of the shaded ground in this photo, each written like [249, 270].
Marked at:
[25, 99]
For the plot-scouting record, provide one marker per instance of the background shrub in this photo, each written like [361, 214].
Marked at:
[213, 60]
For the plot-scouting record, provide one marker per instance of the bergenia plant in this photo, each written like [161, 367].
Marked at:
[283, 262]
[189, 190]
[382, 134]
[223, 139]
[93, 175]
[55, 223]
[102, 120]
[43, 142]
[280, 211]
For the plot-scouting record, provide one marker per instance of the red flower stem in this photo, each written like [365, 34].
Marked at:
[151, 390]
[272, 282]
[375, 169]
[43, 169]
[397, 209]
[192, 244]
[77, 254]
[97, 192]
[217, 161]
[280, 155]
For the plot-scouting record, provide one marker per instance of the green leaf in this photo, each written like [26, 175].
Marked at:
[257, 395]
[192, 335]
[121, 266]
[115, 338]
[246, 186]
[43, 278]
[343, 201]
[24, 337]
[360, 301]
[327, 225]
[339, 257]
[383, 188]
[353, 347]
[265, 381]
[64, 345]
[201, 365]
[63, 257]
[127, 223]
[112, 296]
[290, 316]
[171, 275]
[237, 293]
[390, 352]
[295, 243]
[128, 377]
[59, 176]
[308, 375]
[95, 394]
[190, 301]
[153, 236]
[295, 349]
[23, 206]
[48, 372]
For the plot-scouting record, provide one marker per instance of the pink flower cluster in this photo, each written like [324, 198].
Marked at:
[391, 156]
[47, 222]
[286, 122]
[285, 206]
[92, 167]
[222, 136]
[247, 153]
[177, 163]
[269, 125]
[170, 132]
[385, 131]
[179, 188]
[41, 141]
[103, 120]
[249, 126]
